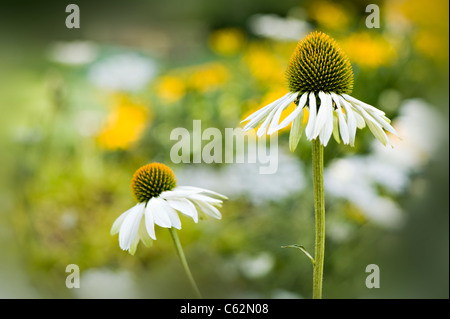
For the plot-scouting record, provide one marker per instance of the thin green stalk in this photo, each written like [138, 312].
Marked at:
[319, 211]
[183, 260]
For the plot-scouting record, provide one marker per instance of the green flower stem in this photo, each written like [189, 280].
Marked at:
[183, 260]
[319, 211]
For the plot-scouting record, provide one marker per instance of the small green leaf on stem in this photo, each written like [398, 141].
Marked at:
[303, 250]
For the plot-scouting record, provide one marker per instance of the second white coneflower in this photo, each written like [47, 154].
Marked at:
[320, 80]
[159, 201]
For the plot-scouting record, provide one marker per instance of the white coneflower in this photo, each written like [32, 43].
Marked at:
[320, 79]
[154, 186]
[159, 200]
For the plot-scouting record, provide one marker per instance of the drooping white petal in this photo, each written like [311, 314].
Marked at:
[175, 219]
[143, 234]
[384, 117]
[182, 199]
[118, 222]
[322, 115]
[374, 118]
[263, 128]
[360, 123]
[297, 111]
[264, 110]
[276, 119]
[376, 128]
[336, 128]
[149, 222]
[177, 192]
[312, 116]
[381, 120]
[366, 106]
[172, 214]
[208, 209]
[343, 127]
[205, 198]
[185, 207]
[254, 123]
[351, 120]
[366, 117]
[134, 243]
[264, 113]
[200, 190]
[130, 226]
[160, 216]
[378, 132]
[327, 129]
[375, 114]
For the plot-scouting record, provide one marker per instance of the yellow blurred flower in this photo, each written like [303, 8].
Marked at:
[228, 41]
[330, 15]
[431, 44]
[207, 76]
[170, 88]
[124, 125]
[264, 65]
[429, 22]
[431, 15]
[368, 49]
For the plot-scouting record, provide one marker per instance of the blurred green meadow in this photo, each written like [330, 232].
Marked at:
[82, 109]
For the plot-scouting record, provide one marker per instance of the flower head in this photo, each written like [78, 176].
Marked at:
[151, 180]
[159, 201]
[318, 64]
[320, 79]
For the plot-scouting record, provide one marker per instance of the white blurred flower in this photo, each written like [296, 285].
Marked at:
[350, 178]
[256, 266]
[421, 129]
[106, 284]
[285, 294]
[73, 52]
[69, 219]
[275, 27]
[127, 71]
[339, 231]
[244, 179]
[27, 135]
[357, 178]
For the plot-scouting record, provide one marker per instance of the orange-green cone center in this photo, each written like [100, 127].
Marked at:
[318, 64]
[151, 180]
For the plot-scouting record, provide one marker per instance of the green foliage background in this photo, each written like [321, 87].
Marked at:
[61, 191]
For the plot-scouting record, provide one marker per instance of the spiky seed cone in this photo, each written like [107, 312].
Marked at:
[318, 64]
[151, 180]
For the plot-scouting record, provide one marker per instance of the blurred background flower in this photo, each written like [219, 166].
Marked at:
[228, 41]
[368, 50]
[124, 124]
[331, 15]
[73, 52]
[170, 88]
[279, 28]
[125, 71]
[244, 181]
[80, 109]
[105, 283]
